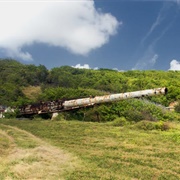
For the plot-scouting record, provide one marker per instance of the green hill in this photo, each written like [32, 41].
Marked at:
[24, 84]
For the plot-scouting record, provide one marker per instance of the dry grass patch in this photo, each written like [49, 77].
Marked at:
[42, 161]
[5, 143]
[32, 92]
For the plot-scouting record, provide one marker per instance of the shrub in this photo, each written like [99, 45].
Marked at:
[141, 109]
[120, 121]
[149, 125]
[9, 115]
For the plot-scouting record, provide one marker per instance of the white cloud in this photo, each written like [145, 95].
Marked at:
[178, 2]
[153, 60]
[153, 27]
[75, 25]
[174, 65]
[148, 60]
[149, 57]
[163, 13]
[85, 66]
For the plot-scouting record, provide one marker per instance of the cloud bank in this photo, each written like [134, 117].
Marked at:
[75, 25]
[175, 65]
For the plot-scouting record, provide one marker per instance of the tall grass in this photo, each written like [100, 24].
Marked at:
[111, 152]
[24, 156]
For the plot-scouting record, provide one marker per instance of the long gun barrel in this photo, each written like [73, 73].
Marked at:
[71, 104]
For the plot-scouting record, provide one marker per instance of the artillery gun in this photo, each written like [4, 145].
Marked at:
[66, 105]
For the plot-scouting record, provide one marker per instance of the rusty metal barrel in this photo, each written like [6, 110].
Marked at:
[83, 102]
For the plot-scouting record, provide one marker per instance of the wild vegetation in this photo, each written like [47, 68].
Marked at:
[23, 84]
[129, 139]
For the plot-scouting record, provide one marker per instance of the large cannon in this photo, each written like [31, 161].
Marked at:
[77, 103]
[65, 105]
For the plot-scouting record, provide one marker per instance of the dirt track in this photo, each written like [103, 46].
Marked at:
[24, 156]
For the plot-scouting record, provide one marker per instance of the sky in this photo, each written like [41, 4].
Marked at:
[92, 34]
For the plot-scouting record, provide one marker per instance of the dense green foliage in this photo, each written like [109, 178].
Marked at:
[14, 76]
[68, 83]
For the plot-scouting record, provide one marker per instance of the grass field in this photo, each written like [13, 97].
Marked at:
[41, 149]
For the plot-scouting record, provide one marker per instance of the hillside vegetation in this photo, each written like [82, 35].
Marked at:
[24, 84]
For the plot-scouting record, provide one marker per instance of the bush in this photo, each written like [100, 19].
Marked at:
[149, 125]
[141, 109]
[9, 115]
[120, 121]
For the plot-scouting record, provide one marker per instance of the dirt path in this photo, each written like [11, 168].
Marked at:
[24, 156]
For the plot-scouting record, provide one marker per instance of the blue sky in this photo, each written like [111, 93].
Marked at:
[112, 34]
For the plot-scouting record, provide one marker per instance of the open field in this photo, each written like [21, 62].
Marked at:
[37, 149]
[24, 156]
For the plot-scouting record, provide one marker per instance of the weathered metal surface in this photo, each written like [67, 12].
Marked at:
[61, 105]
[112, 97]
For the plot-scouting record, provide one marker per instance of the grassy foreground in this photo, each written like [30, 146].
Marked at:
[35, 149]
